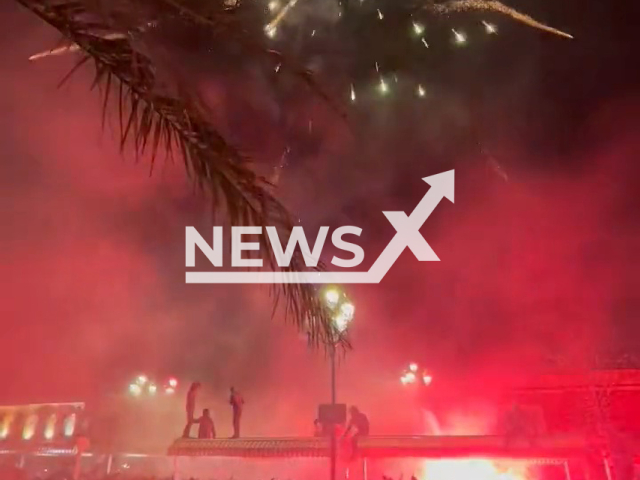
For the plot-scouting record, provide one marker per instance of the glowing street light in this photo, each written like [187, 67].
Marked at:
[342, 311]
[145, 385]
[332, 298]
[344, 317]
[411, 376]
[408, 378]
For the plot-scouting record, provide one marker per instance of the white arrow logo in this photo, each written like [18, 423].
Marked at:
[407, 236]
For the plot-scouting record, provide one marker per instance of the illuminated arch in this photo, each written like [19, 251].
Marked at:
[30, 425]
[5, 425]
[50, 427]
[70, 425]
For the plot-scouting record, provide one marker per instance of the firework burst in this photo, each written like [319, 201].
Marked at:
[491, 6]
[364, 49]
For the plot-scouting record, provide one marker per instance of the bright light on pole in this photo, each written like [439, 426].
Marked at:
[344, 317]
[341, 309]
[347, 310]
[144, 385]
[332, 298]
[411, 376]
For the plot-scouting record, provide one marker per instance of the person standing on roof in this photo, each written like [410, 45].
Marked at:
[237, 404]
[191, 408]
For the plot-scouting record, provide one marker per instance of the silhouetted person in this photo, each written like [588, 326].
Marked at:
[206, 427]
[237, 403]
[318, 428]
[360, 423]
[191, 408]
[513, 423]
[519, 426]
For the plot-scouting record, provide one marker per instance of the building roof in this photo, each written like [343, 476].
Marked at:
[613, 379]
[546, 448]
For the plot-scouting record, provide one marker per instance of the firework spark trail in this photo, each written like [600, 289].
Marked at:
[281, 14]
[453, 6]
[55, 51]
[277, 170]
[71, 48]
[494, 164]
[497, 168]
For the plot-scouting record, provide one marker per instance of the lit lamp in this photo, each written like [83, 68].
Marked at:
[170, 387]
[341, 309]
[135, 389]
[411, 376]
[144, 385]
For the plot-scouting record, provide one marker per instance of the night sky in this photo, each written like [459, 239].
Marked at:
[539, 254]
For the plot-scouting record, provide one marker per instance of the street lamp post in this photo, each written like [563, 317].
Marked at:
[342, 312]
[333, 374]
[333, 439]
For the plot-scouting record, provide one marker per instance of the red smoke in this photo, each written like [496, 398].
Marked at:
[92, 257]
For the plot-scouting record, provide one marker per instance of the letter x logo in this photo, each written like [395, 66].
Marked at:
[408, 226]
[408, 232]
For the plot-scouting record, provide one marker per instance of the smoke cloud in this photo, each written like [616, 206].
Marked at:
[538, 263]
